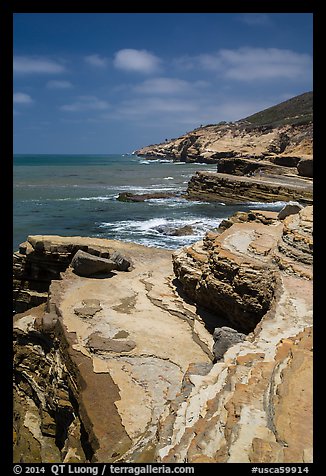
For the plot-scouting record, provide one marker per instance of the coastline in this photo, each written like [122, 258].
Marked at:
[79, 196]
[204, 349]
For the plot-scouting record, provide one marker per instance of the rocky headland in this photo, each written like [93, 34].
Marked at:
[268, 155]
[131, 354]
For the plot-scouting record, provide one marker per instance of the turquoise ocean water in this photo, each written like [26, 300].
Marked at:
[72, 195]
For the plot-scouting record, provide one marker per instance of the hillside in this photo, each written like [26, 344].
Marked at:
[297, 110]
[284, 130]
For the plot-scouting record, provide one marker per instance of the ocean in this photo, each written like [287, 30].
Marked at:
[76, 195]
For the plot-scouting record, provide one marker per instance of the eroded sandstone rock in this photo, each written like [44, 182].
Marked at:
[305, 167]
[120, 365]
[136, 382]
[226, 188]
[212, 143]
[44, 413]
[289, 209]
[85, 264]
[245, 414]
[41, 259]
[234, 276]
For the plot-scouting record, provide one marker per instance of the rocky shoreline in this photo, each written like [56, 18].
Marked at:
[229, 189]
[203, 355]
[239, 139]
[265, 157]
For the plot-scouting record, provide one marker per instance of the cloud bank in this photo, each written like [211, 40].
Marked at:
[22, 98]
[248, 64]
[57, 84]
[86, 103]
[31, 65]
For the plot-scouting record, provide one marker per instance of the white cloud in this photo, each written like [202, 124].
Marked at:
[190, 113]
[96, 60]
[86, 103]
[255, 19]
[29, 65]
[247, 64]
[140, 61]
[22, 98]
[57, 84]
[163, 86]
[265, 63]
[211, 62]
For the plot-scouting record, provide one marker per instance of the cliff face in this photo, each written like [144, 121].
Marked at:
[283, 131]
[141, 339]
[265, 157]
[256, 402]
[236, 140]
[256, 163]
[229, 189]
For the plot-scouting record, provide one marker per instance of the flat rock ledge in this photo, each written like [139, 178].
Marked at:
[229, 189]
[122, 368]
[41, 259]
[97, 364]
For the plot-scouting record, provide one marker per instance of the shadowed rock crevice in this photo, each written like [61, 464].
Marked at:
[231, 274]
[43, 400]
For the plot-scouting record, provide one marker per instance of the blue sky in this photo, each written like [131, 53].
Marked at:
[112, 83]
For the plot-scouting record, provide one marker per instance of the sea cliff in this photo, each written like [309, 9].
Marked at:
[265, 157]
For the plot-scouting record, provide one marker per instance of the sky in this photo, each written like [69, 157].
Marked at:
[88, 83]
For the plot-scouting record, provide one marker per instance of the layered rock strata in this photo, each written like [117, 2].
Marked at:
[95, 367]
[41, 259]
[122, 368]
[263, 156]
[211, 143]
[229, 189]
[255, 404]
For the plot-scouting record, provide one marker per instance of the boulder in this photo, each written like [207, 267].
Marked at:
[42, 259]
[132, 197]
[122, 264]
[182, 231]
[171, 231]
[289, 209]
[225, 337]
[49, 322]
[305, 168]
[85, 264]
